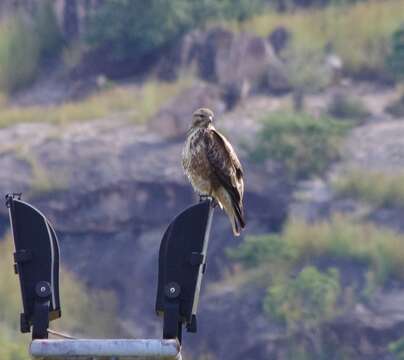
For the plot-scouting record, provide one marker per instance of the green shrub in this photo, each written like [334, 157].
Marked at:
[24, 42]
[47, 29]
[303, 144]
[256, 250]
[377, 188]
[339, 238]
[138, 28]
[396, 59]
[306, 301]
[19, 53]
[345, 107]
[397, 348]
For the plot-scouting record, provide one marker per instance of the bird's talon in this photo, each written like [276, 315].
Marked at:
[203, 197]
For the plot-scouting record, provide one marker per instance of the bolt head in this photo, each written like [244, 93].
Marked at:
[172, 290]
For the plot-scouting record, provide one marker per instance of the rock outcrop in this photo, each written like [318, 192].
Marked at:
[240, 63]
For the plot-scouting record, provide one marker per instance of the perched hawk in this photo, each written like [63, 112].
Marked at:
[213, 168]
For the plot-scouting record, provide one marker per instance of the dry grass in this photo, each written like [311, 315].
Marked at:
[359, 33]
[131, 103]
[377, 188]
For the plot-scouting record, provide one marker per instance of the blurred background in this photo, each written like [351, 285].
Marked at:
[95, 100]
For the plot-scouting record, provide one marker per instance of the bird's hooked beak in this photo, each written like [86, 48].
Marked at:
[210, 119]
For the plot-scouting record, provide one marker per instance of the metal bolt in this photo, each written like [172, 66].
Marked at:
[172, 290]
[43, 289]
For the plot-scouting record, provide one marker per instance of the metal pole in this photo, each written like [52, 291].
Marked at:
[136, 349]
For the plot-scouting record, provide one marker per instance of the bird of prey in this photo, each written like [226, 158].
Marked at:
[212, 167]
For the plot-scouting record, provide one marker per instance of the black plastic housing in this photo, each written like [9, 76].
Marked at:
[182, 263]
[36, 260]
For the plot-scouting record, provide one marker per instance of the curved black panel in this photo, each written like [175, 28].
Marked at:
[36, 256]
[182, 257]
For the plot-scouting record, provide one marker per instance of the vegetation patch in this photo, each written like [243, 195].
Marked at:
[137, 29]
[395, 61]
[19, 53]
[306, 301]
[302, 292]
[24, 44]
[305, 145]
[135, 104]
[397, 348]
[377, 188]
[347, 108]
[340, 238]
[359, 33]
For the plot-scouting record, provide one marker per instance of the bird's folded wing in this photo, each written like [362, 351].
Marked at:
[224, 163]
[230, 151]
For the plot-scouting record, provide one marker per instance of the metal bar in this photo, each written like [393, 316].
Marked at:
[135, 349]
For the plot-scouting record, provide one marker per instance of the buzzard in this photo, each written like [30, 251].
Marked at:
[213, 168]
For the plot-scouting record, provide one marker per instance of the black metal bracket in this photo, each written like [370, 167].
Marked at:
[172, 324]
[40, 320]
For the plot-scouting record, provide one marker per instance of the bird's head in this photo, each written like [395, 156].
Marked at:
[202, 118]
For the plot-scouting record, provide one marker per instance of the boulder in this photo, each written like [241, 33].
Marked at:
[239, 63]
[279, 38]
[245, 62]
[173, 119]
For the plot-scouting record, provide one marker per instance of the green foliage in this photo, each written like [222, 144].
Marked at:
[47, 29]
[303, 144]
[377, 188]
[382, 250]
[397, 348]
[345, 107]
[137, 28]
[259, 249]
[23, 43]
[305, 301]
[19, 53]
[358, 32]
[396, 59]
[340, 238]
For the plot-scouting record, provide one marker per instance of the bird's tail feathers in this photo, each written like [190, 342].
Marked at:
[233, 210]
